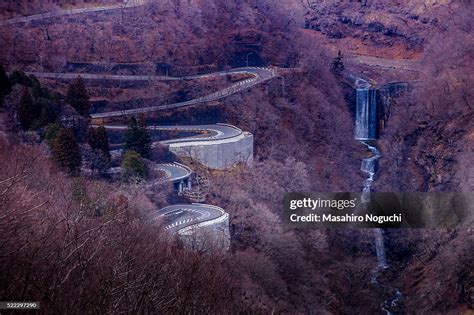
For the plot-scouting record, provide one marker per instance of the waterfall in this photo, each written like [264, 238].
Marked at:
[366, 128]
[366, 114]
[380, 249]
[369, 166]
[393, 303]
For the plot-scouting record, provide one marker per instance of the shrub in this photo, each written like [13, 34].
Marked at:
[133, 165]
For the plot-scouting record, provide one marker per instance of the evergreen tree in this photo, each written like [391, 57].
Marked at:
[51, 132]
[78, 97]
[48, 112]
[137, 138]
[133, 165]
[5, 84]
[26, 110]
[337, 66]
[19, 77]
[36, 89]
[98, 140]
[66, 152]
[99, 161]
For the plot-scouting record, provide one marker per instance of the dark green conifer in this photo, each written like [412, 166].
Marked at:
[137, 138]
[26, 110]
[51, 132]
[78, 97]
[133, 165]
[66, 152]
[5, 84]
[337, 66]
[19, 77]
[98, 140]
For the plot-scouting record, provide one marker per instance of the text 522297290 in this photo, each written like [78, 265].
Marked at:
[19, 305]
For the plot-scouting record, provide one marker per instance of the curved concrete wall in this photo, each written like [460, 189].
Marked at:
[218, 154]
[213, 234]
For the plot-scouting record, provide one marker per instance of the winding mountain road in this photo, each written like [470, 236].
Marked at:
[172, 172]
[207, 132]
[217, 133]
[258, 76]
[401, 64]
[58, 13]
[179, 217]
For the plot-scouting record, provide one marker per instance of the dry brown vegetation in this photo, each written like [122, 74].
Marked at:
[80, 245]
[66, 244]
[431, 128]
[428, 146]
[10, 9]
[117, 36]
[390, 29]
[159, 91]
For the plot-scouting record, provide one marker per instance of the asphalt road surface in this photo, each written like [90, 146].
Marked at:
[177, 217]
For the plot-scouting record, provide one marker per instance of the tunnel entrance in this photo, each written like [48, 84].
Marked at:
[248, 57]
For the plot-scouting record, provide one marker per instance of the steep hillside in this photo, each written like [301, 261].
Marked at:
[429, 136]
[88, 239]
[392, 29]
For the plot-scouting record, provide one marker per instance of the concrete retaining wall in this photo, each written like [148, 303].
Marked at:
[218, 154]
[209, 235]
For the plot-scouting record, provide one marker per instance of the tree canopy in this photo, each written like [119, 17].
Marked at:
[37, 106]
[78, 97]
[26, 110]
[5, 84]
[66, 151]
[137, 138]
[337, 66]
[97, 139]
[133, 165]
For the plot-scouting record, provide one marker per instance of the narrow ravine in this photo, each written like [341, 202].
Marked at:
[369, 166]
[366, 131]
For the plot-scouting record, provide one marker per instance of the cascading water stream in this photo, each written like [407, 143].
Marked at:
[366, 129]
[369, 166]
[392, 303]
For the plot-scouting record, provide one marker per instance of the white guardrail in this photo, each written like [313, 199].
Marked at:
[220, 219]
